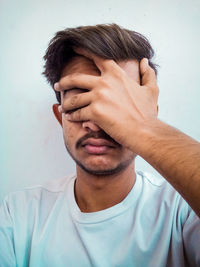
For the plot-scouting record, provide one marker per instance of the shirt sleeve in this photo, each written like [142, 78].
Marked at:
[191, 238]
[7, 252]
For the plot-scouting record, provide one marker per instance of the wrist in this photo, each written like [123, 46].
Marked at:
[146, 136]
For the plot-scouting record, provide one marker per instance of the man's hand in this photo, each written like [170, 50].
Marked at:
[115, 101]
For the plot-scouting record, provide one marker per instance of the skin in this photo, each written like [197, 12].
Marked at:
[103, 180]
[127, 111]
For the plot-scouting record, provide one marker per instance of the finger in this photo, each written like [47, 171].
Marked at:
[78, 80]
[102, 64]
[76, 102]
[148, 74]
[82, 114]
[60, 109]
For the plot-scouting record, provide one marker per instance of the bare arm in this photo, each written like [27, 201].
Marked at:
[175, 156]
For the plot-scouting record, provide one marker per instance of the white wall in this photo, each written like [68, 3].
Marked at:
[31, 142]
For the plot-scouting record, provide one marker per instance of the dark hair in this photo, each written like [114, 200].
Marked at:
[109, 41]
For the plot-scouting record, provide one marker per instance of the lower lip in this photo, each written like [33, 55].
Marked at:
[96, 149]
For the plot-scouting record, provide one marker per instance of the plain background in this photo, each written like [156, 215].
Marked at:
[31, 141]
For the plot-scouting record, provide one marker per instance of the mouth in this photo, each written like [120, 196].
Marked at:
[97, 146]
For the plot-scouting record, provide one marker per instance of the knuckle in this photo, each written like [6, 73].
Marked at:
[73, 100]
[98, 93]
[102, 93]
[95, 108]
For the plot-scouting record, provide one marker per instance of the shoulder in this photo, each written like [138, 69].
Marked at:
[156, 191]
[24, 200]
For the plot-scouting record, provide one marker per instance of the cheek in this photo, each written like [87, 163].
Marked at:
[71, 129]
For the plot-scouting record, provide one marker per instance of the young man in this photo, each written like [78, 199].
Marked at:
[108, 214]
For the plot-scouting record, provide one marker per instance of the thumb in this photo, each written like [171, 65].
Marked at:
[148, 76]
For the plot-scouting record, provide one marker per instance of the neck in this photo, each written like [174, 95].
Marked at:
[95, 193]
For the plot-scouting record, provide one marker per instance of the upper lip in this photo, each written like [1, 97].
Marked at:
[97, 142]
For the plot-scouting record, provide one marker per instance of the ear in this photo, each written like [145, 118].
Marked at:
[57, 113]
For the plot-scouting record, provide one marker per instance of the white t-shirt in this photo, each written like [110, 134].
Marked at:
[153, 226]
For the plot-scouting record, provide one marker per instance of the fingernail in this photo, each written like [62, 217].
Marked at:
[56, 86]
[146, 61]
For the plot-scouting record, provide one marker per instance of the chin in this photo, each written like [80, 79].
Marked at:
[101, 165]
[103, 170]
[99, 172]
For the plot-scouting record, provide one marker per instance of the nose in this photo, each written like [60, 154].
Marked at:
[90, 126]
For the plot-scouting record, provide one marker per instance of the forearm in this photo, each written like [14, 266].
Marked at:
[175, 156]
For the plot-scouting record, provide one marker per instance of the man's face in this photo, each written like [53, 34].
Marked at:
[92, 149]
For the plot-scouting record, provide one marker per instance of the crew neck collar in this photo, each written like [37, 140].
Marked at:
[106, 214]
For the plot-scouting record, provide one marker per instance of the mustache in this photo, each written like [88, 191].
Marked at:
[96, 135]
